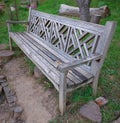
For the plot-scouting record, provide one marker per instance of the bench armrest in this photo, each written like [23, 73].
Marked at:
[66, 66]
[9, 22]
[16, 22]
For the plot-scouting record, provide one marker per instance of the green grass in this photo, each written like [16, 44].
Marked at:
[109, 81]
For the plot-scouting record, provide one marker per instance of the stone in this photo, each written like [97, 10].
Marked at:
[12, 105]
[6, 90]
[3, 46]
[5, 56]
[11, 99]
[101, 101]
[37, 73]
[4, 84]
[3, 78]
[17, 112]
[91, 111]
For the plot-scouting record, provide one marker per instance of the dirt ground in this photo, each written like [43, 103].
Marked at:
[39, 103]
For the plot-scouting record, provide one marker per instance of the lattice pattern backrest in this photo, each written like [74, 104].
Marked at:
[76, 38]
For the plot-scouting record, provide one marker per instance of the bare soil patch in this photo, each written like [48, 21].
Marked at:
[39, 103]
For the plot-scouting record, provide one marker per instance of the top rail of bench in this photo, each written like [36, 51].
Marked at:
[74, 23]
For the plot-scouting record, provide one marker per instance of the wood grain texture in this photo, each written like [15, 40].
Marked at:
[69, 52]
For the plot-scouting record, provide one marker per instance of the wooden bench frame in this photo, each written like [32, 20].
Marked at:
[81, 48]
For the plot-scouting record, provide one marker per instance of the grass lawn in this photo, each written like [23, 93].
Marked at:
[109, 81]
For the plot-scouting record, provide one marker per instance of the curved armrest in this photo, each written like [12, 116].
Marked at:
[66, 66]
[16, 22]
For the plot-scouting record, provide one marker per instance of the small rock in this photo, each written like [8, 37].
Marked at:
[11, 93]
[12, 105]
[101, 101]
[5, 55]
[11, 99]
[4, 84]
[6, 90]
[17, 111]
[91, 111]
[3, 78]
[37, 73]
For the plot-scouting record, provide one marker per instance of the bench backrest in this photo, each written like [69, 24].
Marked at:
[77, 38]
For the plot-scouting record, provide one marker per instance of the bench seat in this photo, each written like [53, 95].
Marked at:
[46, 55]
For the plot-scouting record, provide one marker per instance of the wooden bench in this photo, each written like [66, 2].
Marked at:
[69, 52]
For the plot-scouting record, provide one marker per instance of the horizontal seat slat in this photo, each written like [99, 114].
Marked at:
[52, 48]
[34, 56]
[80, 78]
[73, 78]
[63, 56]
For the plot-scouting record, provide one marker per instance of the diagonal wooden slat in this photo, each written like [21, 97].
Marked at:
[73, 40]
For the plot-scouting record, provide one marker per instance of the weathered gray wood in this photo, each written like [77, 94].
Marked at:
[75, 63]
[62, 92]
[10, 40]
[29, 16]
[102, 48]
[69, 52]
[95, 18]
[89, 27]
[53, 72]
[103, 11]
[39, 59]
[9, 22]
[16, 22]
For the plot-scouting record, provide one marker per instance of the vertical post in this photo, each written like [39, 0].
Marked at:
[30, 9]
[102, 48]
[95, 18]
[95, 83]
[62, 92]
[10, 43]
[10, 40]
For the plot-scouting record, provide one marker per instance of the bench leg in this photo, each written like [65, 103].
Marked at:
[95, 84]
[10, 43]
[62, 93]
